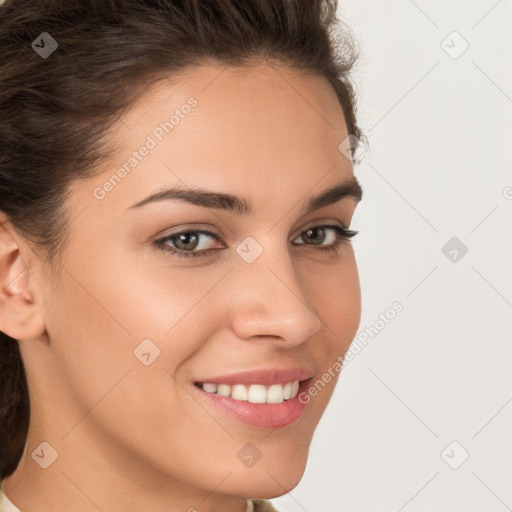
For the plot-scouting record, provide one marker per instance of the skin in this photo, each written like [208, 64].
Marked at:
[266, 133]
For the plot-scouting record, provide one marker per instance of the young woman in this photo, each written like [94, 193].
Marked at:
[178, 286]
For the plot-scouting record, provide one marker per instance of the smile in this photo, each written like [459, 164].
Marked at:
[254, 393]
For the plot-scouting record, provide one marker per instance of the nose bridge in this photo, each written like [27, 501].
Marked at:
[269, 299]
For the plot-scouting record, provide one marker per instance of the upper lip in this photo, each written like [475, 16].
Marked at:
[265, 376]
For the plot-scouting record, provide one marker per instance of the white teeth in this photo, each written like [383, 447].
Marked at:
[287, 391]
[255, 393]
[275, 394]
[224, 389]
[295, 388]
[211, 388]
[239, 392]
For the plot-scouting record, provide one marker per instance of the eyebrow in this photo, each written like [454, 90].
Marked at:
[241, 206]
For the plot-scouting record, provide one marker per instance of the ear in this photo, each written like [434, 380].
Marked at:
[21, 315]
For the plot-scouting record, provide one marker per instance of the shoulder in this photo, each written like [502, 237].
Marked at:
[262, 506]
[5, 504]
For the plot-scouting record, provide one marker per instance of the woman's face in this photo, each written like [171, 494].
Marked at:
[133, 327]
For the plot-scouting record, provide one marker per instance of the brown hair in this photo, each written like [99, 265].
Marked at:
[56, 111]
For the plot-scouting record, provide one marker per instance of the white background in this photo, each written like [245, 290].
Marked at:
[438, 166]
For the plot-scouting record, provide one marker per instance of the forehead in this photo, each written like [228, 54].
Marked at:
[244, 88]
[237, 130]
[239, 108]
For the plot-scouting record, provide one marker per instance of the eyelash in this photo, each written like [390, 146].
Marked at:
[343, 235]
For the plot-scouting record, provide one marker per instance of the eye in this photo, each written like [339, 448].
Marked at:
[187, 243]
[335, 235]
[194, 242]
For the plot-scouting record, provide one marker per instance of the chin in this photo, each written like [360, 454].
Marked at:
[274, 486]
[266, 481]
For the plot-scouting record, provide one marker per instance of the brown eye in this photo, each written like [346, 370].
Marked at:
[318, 234]
[190, 242]
[315, 235]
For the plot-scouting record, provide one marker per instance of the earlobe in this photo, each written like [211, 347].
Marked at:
[20, 305]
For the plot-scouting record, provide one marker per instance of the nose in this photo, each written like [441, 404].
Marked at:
[268, 301]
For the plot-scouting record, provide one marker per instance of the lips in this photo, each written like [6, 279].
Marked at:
[265, 377]
[279, 387]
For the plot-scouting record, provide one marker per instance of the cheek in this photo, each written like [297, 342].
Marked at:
[118, 340]
[335, 294]
[119, 332]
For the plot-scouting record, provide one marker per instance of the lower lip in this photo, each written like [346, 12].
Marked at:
[260, 415]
